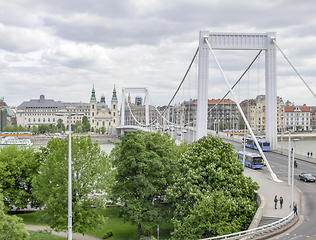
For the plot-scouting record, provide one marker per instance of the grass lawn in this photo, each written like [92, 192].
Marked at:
[42, 236]
[121, 230]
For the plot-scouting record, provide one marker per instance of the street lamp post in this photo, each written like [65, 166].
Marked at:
[69, 181]
[69, 174]
[292, 187]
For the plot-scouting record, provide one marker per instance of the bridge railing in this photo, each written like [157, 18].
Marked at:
[257, 231]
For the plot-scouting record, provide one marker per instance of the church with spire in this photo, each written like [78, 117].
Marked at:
[103, 116]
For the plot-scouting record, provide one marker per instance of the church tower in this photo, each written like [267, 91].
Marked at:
[93, 109]
[114, 109]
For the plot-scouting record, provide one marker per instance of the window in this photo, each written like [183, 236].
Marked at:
[33, 119]
[29, 120]
[48, 120]
[113, 114]
[39, 119]
[43, 119]
[53, 119]
[113, 106]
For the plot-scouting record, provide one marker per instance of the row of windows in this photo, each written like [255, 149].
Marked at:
[302, 123]
[39, 120]
[297, 114]
[299, 119]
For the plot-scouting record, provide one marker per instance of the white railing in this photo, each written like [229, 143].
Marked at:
[255, 231]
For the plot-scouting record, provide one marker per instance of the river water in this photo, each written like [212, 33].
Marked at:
[301, 147]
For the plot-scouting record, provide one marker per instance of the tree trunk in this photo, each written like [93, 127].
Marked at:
[139, 230]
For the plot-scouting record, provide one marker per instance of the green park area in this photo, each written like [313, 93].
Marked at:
[190, 191]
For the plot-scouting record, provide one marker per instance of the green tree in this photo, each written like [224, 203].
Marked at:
[91, 176]
[77, 127]
[85, 124]
[18, 166]
[60, 125]
[34, 130]
[209, 166]
[7, 128]
[11, 227]
[144, 165]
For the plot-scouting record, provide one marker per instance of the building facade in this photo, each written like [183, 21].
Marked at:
[44, 111]
[255, 113]
[297, 118]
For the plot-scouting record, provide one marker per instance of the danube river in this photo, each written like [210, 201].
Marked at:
[301, 147]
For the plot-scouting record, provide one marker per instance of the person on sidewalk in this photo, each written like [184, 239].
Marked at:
[295, 208]
[308, 154]
[311, 154]
[275, 201]
[281, 201]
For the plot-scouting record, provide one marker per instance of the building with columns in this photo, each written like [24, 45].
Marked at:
[44, 111]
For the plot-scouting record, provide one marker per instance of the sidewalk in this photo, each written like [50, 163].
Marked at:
[269, 188]
[75, 236]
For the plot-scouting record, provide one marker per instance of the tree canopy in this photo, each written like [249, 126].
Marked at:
[211, 196]
[144, 164]
[11, 227]
[91, 176]
[18, 166]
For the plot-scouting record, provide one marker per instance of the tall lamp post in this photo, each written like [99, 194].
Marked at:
[292, 187]
[69, 174]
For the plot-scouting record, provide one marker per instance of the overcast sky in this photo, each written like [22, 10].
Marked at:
[62, 48]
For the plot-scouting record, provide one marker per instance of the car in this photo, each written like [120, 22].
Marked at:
[307, 177]
[184, 130]
[179, 133]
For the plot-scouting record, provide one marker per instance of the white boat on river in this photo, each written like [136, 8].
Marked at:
[16, 141]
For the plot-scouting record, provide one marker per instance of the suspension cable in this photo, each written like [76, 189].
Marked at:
[237, 80]
[273, 175]
[294, 68]
[185, 75]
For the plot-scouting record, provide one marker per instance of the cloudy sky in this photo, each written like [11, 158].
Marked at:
[62, 48]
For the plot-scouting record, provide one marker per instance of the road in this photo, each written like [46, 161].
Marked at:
[305, 229]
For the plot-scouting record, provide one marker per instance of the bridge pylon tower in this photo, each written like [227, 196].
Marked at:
[238, 41]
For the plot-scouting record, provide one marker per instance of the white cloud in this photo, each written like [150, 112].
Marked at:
[61, 48]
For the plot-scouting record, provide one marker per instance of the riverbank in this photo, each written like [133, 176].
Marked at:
[100, 138]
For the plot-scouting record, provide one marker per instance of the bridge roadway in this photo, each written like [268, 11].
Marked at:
[304, 194]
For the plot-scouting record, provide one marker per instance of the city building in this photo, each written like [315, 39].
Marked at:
[44, 111]
[297, 118]
[312, 117]
[222, 114]
[255, 113]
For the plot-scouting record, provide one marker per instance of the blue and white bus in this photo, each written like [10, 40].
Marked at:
[264, 144]
[252, 160]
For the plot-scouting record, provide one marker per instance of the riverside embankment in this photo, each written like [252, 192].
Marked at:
[43, 139]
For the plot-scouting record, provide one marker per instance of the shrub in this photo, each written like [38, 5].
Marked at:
[148, 238]
[108, 234]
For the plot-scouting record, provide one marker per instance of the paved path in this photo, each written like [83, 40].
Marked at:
[75, 236]
[269, 188]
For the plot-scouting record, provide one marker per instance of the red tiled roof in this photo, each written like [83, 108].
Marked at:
[292, 108]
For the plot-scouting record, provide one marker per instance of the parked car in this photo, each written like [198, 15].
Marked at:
[184, 130]
[307, 177]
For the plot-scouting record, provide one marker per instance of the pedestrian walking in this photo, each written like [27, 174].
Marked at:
[275, 201]
[311, 154]
[308, 154]
[281, 201]
[295, 208]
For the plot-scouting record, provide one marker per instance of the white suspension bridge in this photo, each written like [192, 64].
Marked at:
[193, 115]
